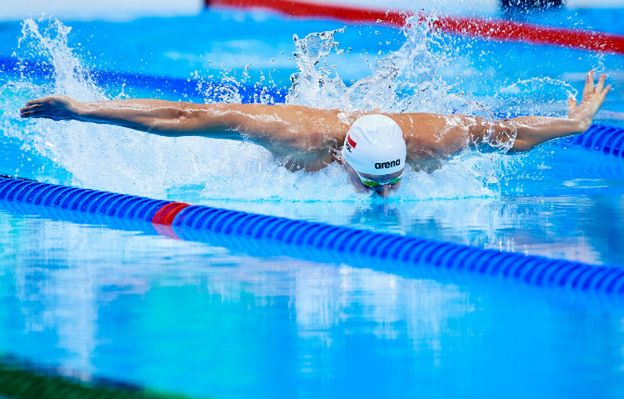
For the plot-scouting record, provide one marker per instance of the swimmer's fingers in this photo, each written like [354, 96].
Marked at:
[34, 102]
[604, 93]
[34, 105]
[589, 85]
[49, 101]
[30, 114]
[33, 114]
[42, 100]
[571, 102]
[33, 109]
[41, 114]
[600, 85]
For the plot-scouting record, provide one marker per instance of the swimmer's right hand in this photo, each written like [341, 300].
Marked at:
[57, 108]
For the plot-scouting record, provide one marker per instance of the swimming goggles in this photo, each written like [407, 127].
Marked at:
[373, 183]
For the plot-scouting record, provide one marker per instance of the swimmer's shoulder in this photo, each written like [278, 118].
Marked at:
[424, 135]
[415, 121]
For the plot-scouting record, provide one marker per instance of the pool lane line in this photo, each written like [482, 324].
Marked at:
[300, 238]
[602, 138]
[500, 30]
[166, 215]
[265, 249]
[21, 379]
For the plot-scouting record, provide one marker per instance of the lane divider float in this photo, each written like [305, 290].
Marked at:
[390, 251]
[167, 214]
[603, 138]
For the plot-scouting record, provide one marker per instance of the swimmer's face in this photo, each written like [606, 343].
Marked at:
[385, 184]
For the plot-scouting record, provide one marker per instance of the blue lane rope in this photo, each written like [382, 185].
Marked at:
[77, 199]
[603, 138]
[200, 223]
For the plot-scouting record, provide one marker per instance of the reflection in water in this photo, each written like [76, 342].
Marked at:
[573, 228]
[586, 227]
[380, 216]
[156, 311]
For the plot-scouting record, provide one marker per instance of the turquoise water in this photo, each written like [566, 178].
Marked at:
[202, 320]
[216, 320]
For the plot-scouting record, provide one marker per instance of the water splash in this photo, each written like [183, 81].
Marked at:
[49, 39]
[540, 96]
[420, 76]
[113, 158]
[413, 78]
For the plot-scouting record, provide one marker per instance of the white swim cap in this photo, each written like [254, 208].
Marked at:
[375, 145]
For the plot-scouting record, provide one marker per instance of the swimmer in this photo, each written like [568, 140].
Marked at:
[372, 147]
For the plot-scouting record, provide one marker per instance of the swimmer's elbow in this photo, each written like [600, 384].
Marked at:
[185, 120]
[476, 127]
[520, 145]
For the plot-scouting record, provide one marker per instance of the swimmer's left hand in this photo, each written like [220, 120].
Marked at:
[593, 97]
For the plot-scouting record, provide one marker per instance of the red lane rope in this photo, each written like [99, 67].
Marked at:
[165, 215]
[487, 29]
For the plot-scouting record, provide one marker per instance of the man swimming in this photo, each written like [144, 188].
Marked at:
[373, 147]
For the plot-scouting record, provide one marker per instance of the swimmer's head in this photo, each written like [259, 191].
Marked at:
[375, 150]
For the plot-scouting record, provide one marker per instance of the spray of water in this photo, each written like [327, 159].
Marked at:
[415, 78]
[118, 159]
[424, 75]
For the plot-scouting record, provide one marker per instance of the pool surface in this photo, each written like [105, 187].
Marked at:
[199, 320]
[89, 300]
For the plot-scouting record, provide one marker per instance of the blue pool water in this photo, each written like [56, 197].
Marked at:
[200, 320]
[217, 321]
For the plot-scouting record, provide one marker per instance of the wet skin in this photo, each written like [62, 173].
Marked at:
[308, 138]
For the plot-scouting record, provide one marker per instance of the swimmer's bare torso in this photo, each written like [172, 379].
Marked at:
[308, 138]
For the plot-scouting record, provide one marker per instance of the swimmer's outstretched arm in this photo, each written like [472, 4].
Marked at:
[442, 135]
[530, 131]
[288, 124]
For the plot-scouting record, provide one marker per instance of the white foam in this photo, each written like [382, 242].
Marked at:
[118, 159]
